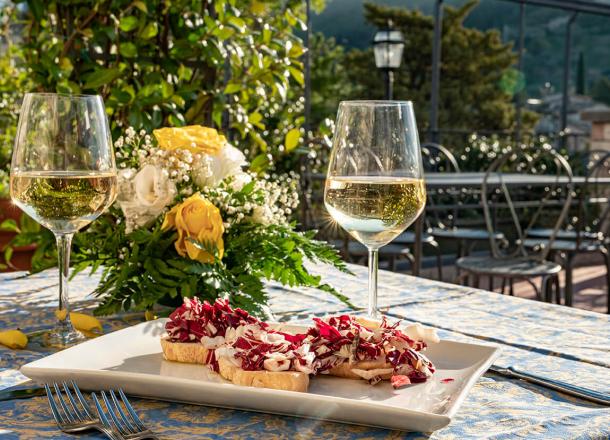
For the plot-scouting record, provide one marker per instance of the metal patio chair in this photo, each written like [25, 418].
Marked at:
[444, 223]
[546, 204]
[587, 230]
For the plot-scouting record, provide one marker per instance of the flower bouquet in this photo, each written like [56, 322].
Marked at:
[191, 220]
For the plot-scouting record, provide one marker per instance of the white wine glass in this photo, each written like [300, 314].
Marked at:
[374, 187]
[63, 175]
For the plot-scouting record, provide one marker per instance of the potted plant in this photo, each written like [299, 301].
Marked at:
[13, 83]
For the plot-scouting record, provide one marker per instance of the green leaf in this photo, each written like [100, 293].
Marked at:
[232, 88]
[8, 254]
[297, 75]
[128, 24]
[184, 73]
[9, 225]
[260, 163]
[149, 31]
[28, 224]
[128, 50]
[101, 77]
[255, 118]
[177, 120]
[239, 23]
[292, 139]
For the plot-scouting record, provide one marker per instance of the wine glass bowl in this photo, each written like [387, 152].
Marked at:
[63, 175]
[374, 187]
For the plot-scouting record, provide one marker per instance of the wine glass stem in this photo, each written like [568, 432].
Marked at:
[64, 243]
[373, 264]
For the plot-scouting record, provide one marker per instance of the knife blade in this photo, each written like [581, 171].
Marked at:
[21, 392]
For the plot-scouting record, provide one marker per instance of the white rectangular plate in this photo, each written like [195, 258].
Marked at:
[131, 359]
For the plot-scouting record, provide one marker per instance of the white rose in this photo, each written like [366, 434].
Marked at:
[211, 170]
[143, 196]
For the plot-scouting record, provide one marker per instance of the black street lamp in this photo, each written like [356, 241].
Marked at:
[388, 45]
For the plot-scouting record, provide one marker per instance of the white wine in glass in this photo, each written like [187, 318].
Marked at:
[374, 187]
[63, 201]
[63, 175]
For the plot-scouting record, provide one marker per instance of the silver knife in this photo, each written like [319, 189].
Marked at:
[572, 390]
[21, 392]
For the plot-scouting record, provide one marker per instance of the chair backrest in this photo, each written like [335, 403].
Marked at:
[594, 198]
[438, 159]
[530, 188]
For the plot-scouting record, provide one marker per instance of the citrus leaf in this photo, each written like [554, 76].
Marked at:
[292, 139]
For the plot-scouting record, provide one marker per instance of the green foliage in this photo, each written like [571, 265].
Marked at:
[156, 63]
[14, 81]
[142, 268]
[478, 82]
[330, 80]
[480, 152]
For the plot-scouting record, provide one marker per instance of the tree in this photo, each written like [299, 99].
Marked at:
[474, 65]
[329, 77]
[601, 90]
[232, 63]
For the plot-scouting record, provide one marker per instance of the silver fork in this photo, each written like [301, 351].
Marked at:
[129, 427]
[72, 418]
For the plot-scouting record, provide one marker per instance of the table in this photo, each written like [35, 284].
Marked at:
[474, 180]
[562, 343]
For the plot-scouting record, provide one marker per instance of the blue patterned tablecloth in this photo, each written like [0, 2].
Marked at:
[559, 342]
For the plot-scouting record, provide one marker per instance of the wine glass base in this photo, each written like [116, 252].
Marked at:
[60, 338]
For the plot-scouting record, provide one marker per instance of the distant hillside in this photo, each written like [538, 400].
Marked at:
[544, 42]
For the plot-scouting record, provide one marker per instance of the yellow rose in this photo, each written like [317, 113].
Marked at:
[195, 138]
[198, 219]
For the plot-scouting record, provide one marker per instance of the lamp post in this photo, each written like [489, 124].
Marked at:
[388, 45]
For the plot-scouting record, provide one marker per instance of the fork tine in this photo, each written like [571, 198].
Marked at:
[56, 415]
[100, 411]
[73, 403]
[126, 421]
[113, 416]
[82, 400]
[131, 411]
[69, 416]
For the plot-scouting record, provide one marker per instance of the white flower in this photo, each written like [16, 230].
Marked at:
[144, 195]
[262, 215]
[240, 180]
[211, 170]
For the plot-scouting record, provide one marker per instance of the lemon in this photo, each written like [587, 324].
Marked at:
[13, 339]
[85, 323]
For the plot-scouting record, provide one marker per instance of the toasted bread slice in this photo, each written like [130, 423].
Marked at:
[196, 353]
[277, 380]
[188, 352]
[346, 369]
